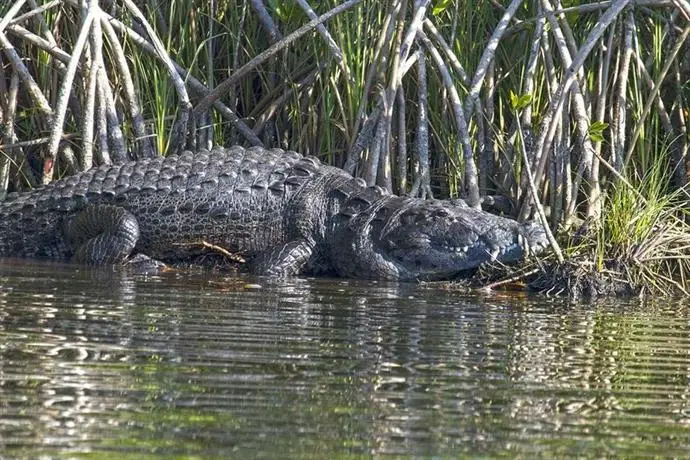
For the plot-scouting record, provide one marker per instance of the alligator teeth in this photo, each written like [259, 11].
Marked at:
[521, 241]
[495, 251]
[456, 249]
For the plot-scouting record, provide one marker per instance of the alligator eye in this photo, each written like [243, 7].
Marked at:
[442, 213]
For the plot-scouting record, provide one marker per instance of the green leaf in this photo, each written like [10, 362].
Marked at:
[596, 131]
[519, 102]
[524, 101]
[598, 126]
[440, 7]
[513, 100]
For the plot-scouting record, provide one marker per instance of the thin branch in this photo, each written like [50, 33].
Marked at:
[487, 57]
[471, 180]
[224, 86]
[196, 86]
[548, 130]
[657, 86]
[143, 147]
[64, 92]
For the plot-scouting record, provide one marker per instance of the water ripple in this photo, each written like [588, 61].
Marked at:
[98, 361]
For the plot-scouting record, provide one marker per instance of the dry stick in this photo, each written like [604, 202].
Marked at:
[14, 9]
[511, 279]
[487, 159]
[32, 88]
[400, 65]
[530, 70]
[63, 94]
[101, 120]
[195, 84]
[471, 182]
[224, 86]
[569, 40]
[232, 96]
[481, 148]
[620, 98]
[585, 8]
[661, 108]
[487, 57]
[117, 149]
[143, 147]
[116, 141]
[37, 10]
[600, 112]
[528, 88]
[206, 128]
[535, 197]
[657, 86]
[400, 51]
[321, 29]
[50, 46]
[10, 110]
[681, 151]
[556, 186]
[274, 35]
[684, 7]
[448, 51]
[414, 27]
[579, 111]
[278, 102]
[74, 103]
[36, 141]
[39, 42]
[422, 183]
[412, 60]
[11, 152]
[562, 160]
[372, 168]
[548, 126]
[267, 102]
[381, 52]
[364, 137]
[366, 134]
[45, 30]
[179, 130]
[402, 143]
[88, 125]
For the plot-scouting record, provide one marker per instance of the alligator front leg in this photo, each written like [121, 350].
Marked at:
[102, 234]
[287, 260]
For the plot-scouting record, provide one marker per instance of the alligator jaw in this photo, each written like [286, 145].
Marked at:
[430, 240]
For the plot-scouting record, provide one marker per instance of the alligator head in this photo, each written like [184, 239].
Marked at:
[412, 239]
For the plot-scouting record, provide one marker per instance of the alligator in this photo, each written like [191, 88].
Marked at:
[285, 214]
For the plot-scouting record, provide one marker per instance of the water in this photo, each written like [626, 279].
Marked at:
[96, 362]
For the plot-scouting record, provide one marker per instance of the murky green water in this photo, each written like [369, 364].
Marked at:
[97, 362]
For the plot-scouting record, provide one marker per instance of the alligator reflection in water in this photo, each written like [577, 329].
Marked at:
[98, 361]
